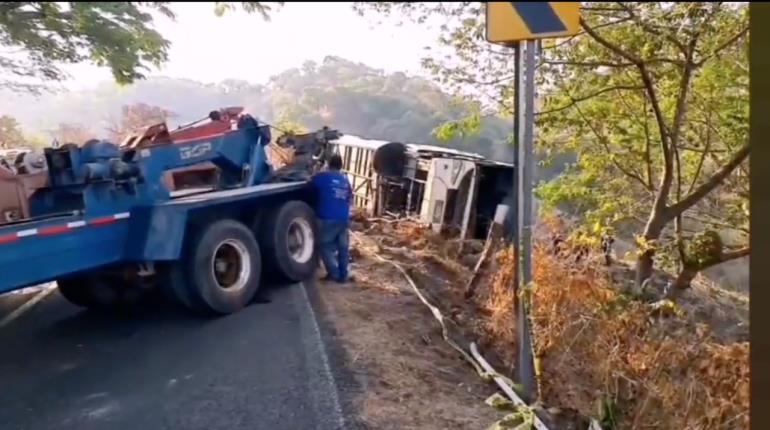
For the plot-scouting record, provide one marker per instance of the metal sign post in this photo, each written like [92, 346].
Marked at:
[519, 24]
[525, 107]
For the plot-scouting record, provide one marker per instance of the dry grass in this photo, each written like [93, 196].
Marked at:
[655, 369]
[646, 366]
[500, 323]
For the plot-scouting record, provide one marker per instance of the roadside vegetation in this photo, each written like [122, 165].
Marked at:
[642, 135]
[602, 352]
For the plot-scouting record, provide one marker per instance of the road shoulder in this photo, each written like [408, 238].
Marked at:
[393, 368]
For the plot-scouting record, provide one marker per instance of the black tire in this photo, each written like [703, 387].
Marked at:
[279, 232]
[74, 290]
[105, 291]
[173, 281]
[194, 280]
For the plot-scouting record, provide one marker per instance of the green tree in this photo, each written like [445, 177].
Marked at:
[658, 95]
[651, 97]
[10, 132]
[118, 35]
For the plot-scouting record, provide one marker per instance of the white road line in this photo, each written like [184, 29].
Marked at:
[323, 375]
[27, 305]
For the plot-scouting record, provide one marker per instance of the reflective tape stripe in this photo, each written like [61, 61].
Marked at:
[63, 228]
[8, 238]
[25, 233]
[47, 231]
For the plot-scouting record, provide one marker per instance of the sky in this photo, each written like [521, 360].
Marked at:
[238, 45]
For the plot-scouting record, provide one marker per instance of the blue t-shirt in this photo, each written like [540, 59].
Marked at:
[333, 195]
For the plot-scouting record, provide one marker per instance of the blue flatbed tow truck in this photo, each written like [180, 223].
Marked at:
[110, 233]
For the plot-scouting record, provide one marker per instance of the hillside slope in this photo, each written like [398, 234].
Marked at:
[352, 97]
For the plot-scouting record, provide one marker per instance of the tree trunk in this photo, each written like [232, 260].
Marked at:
[685, 277]
[682, 282]
[644, 265]
[646, 260]
[689, 272]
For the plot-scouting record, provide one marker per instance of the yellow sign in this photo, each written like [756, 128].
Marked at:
[509, 22]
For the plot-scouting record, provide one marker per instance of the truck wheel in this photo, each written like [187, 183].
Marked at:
[173, 283]
[288, 235]
[220, 270]
[104, 291]
[74, 290]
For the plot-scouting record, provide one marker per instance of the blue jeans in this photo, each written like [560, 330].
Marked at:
[334, 248]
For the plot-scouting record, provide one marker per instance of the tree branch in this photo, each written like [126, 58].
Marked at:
[617, 164]
[492, 82]
[612, 47]
[714, 181]
[666, 181]
[734, 255]
[587, 63]
[650, 29]
[723, 46]
[716, 224]
[576, 100]
[702, 159]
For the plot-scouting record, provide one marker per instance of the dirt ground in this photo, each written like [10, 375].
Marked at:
[410, 376]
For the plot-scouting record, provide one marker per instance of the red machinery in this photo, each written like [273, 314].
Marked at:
[218, 122]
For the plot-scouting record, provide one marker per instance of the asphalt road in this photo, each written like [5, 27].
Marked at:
[262, 368]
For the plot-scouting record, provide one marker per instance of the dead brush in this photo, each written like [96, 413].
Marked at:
[596, 344]
[603, 352]
[500, 323]
[612, 357]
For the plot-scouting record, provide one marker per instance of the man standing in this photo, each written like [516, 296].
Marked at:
[333, 197]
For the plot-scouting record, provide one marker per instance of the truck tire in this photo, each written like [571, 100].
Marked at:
[288, 236]
[220, 270]
[74, 290]
[104, 291]
[173, 283]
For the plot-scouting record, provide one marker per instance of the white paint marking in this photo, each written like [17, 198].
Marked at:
[102, 411]
[24, 233]
[122, 215]
[27, 306]
[326, 371]
[76, 224]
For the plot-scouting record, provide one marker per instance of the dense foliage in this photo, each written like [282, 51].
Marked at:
[652, 98]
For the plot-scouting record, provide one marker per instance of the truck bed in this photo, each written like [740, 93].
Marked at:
[42, 250]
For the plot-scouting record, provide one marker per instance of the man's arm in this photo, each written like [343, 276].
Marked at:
[316, 188]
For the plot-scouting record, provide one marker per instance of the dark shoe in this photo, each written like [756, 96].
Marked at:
[346, 281]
